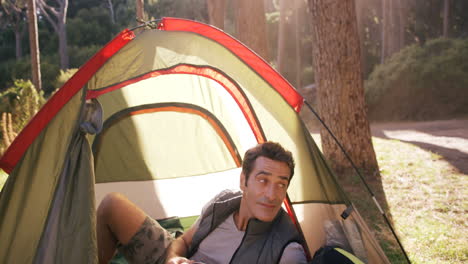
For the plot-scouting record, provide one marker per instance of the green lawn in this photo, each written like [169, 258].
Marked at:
[428, 200]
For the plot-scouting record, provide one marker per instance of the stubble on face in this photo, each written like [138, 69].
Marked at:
[264, 190]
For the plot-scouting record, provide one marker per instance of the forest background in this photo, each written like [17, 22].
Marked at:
[414, 55]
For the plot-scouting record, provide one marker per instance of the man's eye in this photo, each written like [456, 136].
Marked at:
[282, 185]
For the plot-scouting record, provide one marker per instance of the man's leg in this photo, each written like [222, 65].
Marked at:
[118, 219]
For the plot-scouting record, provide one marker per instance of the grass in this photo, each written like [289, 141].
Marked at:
[427, 202]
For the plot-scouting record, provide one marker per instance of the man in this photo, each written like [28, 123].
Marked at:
[235, 227]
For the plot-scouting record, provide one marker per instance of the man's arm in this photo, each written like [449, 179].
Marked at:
[177, 251]
[293, 254]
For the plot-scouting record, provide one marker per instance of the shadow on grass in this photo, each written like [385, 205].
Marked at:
[446, 138]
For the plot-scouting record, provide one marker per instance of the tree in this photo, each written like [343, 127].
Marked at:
[282, 31]
[336, 62]
[298, 6]
[446, 25]
[251, 26]
[402, 14]
[392, 28]
[110, 5]
[140, 11]
[361, 30]
[12, 15]
[288, 60]
[386, 26]
[216, 12]
[56, 15]
[34, 45]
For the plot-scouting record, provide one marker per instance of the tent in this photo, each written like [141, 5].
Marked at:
[163, 116]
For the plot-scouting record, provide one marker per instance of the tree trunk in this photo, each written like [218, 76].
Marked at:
[336, 62]
[393, 28]
[140, 11]
[297, 30]
[402, 14]
[216, 12]
[111, 11]
[11, 15]
[57, 17]
[361, 31]
[270, 5]
[18, 47]
[280, 62]
[34, 45]
[446, 26]
[384, 24]
[63, 47]
[251, 26]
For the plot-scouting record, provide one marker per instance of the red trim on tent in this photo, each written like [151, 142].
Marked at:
[271, 76]
[207, 72]
[59, 99]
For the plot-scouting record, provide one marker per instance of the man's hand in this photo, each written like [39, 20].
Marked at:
[179, 260]
[179, 247]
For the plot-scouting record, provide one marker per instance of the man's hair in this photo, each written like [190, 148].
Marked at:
[271, 150]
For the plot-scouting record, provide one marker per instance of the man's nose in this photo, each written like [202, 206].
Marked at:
[270, 193]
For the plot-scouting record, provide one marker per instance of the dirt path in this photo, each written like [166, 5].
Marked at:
[448, 138]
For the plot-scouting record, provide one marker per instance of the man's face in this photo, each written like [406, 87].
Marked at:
[265, 190]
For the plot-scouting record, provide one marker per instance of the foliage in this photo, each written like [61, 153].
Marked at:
[80, 55]
[90, 27]
[426, 20]
[189, 9]
[7, 130]
[21, 69]
[49, 70]
[63, 77]
[22, 101]
[7, 49]
[422, 20]
[421, 82]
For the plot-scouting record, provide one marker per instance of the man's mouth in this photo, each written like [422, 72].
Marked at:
[269, 206]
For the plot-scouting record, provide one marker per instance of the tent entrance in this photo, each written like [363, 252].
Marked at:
[144, 136]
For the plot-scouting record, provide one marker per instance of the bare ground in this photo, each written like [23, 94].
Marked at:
[448, 138]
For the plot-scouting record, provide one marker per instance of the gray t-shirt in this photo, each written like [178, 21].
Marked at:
[219, 246]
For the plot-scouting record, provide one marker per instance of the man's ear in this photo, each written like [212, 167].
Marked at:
[242, 181]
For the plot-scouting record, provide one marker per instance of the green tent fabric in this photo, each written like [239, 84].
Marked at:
[153, 115]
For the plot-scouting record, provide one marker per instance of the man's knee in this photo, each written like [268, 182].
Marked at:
[122, 217]
[110, 203]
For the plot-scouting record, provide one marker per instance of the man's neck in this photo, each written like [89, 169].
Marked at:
[240, 221]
